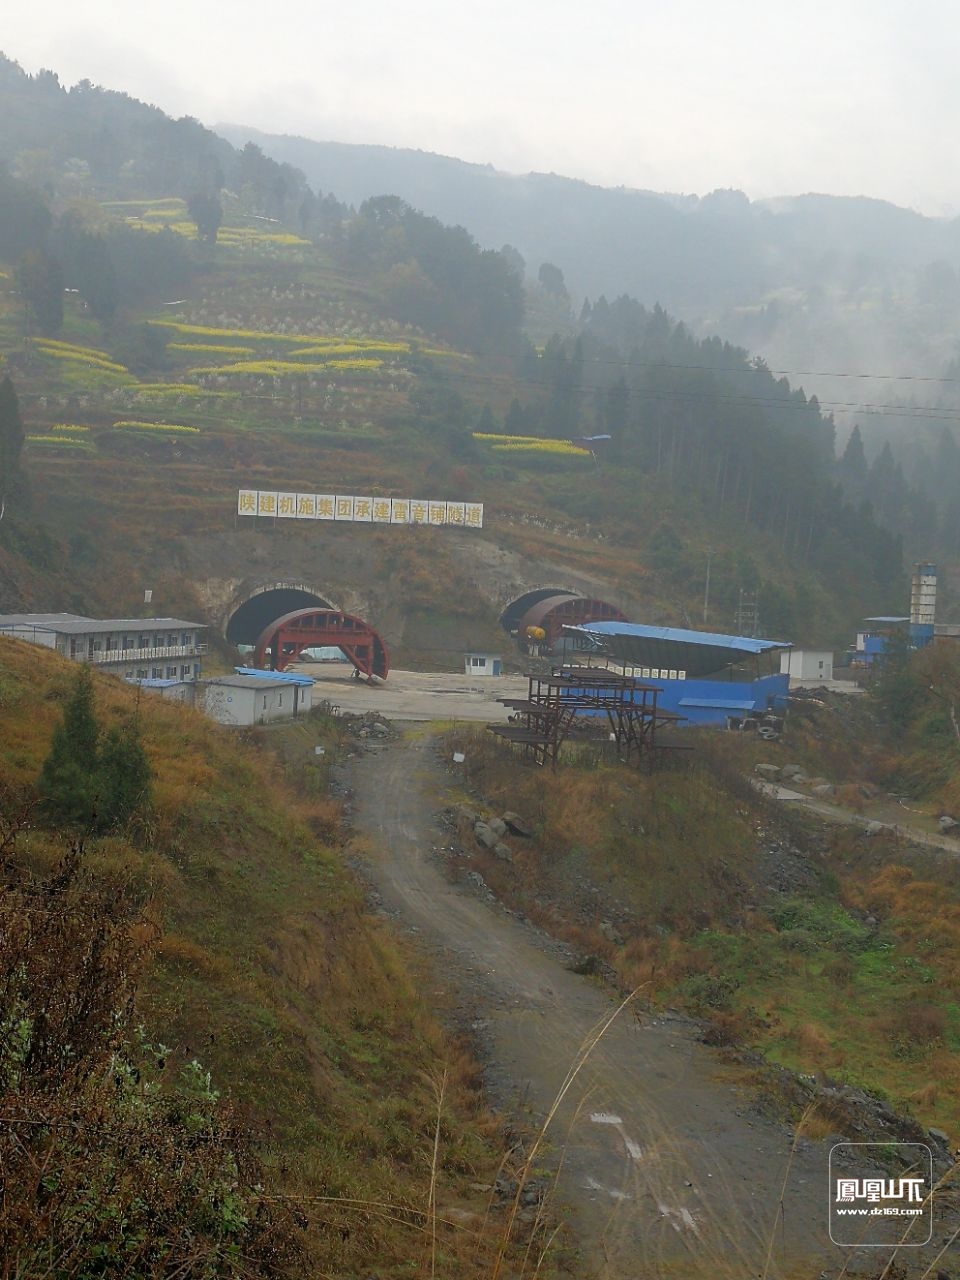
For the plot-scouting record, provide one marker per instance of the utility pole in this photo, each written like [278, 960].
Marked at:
[747, 620]
[706, 586]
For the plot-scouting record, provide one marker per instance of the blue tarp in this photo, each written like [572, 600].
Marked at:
[281, 677]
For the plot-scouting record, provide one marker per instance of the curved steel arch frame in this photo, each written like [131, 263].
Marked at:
[285, 639]
[553, 613]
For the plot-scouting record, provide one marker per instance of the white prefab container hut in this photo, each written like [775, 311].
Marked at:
[300, 685]
[249, 700]
[482, 664]
[807, 664]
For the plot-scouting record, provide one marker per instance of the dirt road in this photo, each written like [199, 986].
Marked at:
[666, 1169]
[847, 817]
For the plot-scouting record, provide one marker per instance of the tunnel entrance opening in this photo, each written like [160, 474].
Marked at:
[247, 623]
[512, 614]
[537, 619]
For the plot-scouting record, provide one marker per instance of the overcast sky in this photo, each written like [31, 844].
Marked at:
[775, 97]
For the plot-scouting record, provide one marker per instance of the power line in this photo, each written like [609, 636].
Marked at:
[763, 368]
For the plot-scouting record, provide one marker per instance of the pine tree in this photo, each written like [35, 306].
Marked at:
[93, 781]
[125, 777]
[853, 467]
[39, 277]
[486, 424]
[69, 782]
[515, 422]
[11, 441]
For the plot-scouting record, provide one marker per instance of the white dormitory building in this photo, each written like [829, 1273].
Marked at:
[132, 648]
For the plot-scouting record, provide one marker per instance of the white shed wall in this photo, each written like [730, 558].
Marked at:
[233, 704]
[807, 664]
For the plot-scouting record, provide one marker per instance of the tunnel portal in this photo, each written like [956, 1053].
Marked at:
[248, 621]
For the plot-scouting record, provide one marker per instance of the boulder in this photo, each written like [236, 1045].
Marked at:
[484, 835]
[611, 933]
[790, 770]
[823, 789]
[516, 825]
[503, 852]
[873, 828]
[947, 824]
[768, 771]
[497, 825]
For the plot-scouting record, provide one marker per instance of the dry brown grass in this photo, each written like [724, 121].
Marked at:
[306, 1009]
[813, 1043]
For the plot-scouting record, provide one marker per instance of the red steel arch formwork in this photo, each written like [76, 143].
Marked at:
[285, 639]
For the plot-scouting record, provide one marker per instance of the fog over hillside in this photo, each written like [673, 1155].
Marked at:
[811, 282]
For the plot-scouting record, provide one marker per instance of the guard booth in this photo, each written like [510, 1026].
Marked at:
[482, 664]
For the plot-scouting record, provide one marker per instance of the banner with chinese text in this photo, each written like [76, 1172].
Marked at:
[353, 508]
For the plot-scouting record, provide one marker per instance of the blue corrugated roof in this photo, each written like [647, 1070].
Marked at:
[281, 677]
[698, 653]
[679, 635]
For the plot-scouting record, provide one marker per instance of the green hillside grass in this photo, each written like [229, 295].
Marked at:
[682, 862]
[270, 970]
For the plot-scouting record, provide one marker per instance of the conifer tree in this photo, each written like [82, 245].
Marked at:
[69, 781]
[39, 277]
[91, 780]
[125, 777]
[11, 441]
[853, 465]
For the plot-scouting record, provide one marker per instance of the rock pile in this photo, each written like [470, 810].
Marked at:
[489, 832]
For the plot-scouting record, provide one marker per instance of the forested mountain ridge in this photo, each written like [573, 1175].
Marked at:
[811, 282]
[696, 255]
[269, 309]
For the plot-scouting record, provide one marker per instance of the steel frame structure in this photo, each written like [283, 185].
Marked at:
[285, 639]
[547, 716]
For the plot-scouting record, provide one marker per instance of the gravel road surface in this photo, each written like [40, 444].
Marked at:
[665, 1168]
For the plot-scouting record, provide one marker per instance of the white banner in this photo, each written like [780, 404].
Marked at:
[350, 507]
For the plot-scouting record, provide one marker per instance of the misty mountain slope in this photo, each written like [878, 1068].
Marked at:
[810, 282]
[373, 344]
